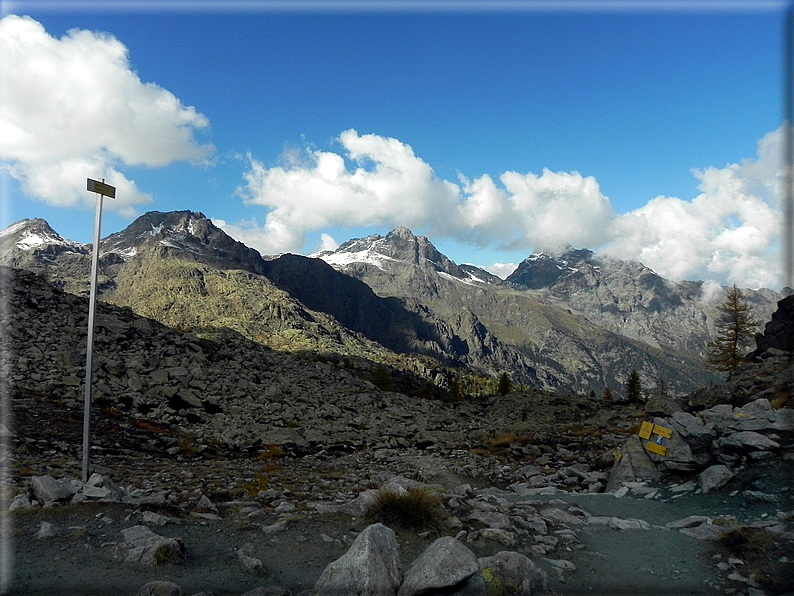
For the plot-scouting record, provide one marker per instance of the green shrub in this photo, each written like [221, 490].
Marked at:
[416, 509]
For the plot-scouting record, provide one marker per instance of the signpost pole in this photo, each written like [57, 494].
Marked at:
[100, 189]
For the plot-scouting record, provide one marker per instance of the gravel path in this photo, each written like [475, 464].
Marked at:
[652, 562]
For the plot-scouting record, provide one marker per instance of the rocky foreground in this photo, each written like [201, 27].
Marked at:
[201, 441]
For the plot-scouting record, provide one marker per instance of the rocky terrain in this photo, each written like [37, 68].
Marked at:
[223, 466]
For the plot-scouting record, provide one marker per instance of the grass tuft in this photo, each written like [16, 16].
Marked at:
[746, 542]
[416, 509]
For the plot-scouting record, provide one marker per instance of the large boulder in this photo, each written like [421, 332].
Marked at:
[632, 465]
[141, 545]
[747, 440]
[370, 567]
[48, 490]
[714, 478]
[444, 564]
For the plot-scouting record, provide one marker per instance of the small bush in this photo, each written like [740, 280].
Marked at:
[746, 542]
[172, 553]
[271, 452]
[187, 446]
[416, 509]
[257, 484]
[151, 427]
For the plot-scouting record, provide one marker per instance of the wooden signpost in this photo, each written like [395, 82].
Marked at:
[102, 190]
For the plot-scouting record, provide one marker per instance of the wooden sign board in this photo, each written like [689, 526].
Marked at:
[654, 448]
[101, 188]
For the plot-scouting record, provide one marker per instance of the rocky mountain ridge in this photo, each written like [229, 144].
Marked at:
[413, 300]
[630, 298]
[581, 335]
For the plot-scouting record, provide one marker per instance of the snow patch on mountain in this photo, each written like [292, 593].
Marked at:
[35, 233]
[367, 256]
[471, 281]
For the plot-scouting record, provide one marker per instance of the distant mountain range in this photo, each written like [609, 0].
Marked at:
[576, 321]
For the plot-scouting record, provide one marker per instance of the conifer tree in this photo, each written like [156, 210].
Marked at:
[634, 388]
[735, 327]
[504, 384]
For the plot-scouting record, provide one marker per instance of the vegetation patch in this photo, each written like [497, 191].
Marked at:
[417, 508]
[769, 563]
[746, 542]
[256, 485]
[271, 452]
[150, 427]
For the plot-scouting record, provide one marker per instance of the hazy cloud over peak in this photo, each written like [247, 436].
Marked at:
[73, 108]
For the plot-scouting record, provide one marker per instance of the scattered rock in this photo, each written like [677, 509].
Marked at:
[370, 567]
[444, 564]
[141, 545]
[160, 588]
[46, 530]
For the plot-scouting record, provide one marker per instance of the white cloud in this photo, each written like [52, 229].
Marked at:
[270, 240]
[73, 108]
[711, 291]
[316, 189]
[501, 269]
[388, 185]
[327, 242]
[557, 208]
[728, 232]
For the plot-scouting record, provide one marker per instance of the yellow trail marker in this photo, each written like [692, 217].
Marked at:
[663, 431]
[645, 430]
[654, 448]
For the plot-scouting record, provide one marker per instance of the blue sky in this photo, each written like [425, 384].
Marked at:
[646, 133]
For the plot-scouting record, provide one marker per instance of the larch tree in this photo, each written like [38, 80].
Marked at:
[735, 330]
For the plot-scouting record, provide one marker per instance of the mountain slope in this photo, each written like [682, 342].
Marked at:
[573, 322]
[180, 269]
[582, 349]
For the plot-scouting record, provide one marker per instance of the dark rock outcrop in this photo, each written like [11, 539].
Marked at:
[779, 331]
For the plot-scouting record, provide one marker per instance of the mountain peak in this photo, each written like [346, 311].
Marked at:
[401, 232]
[189, 234]
[541, 270]
[28, 234]
[165, 228]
